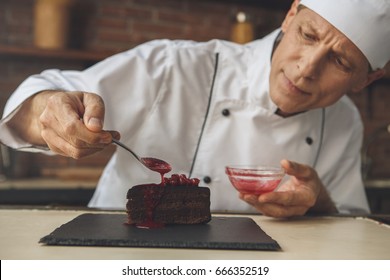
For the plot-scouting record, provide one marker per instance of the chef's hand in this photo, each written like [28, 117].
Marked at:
[69, 123]
[302, 192]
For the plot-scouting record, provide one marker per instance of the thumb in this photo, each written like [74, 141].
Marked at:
[94, 112]
[298, 170]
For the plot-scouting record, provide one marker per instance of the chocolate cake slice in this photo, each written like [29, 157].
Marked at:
[153, 205]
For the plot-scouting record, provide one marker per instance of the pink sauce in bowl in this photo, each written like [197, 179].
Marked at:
[254, 179]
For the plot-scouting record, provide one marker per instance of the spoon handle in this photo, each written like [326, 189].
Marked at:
[126, 148]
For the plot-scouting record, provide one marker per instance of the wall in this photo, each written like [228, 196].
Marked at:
[115, 25]
[109, 25]
[120, 24]
[373, 106]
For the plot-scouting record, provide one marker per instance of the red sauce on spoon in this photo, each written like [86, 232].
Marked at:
[157, 165]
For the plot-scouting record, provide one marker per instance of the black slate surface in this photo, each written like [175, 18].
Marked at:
[110, 230]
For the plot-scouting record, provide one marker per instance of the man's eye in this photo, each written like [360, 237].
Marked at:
[339, 61]
[308, 36]
[342, 64]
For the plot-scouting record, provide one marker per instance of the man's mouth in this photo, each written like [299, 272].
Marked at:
[292, 88]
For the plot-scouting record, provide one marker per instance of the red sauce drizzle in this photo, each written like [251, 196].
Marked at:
[151, 200]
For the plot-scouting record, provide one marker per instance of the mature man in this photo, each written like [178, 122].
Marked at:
[201, 106]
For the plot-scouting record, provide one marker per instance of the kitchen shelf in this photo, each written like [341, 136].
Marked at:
[46, 183]
[34, 52]
[46, 191]
[270, 4]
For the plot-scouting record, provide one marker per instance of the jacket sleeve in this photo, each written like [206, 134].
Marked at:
[115, 79]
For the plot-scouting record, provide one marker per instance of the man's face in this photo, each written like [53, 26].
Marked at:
[314, 65]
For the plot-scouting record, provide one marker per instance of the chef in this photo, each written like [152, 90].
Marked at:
[201, 106]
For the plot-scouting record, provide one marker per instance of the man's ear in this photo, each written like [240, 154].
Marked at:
[290, 15]
[371, 77]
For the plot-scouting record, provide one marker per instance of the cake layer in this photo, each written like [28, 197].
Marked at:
[168, 204]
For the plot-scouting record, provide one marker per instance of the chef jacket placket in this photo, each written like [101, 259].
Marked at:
[206, 178]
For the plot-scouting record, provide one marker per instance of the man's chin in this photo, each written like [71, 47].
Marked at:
[286, 106]
[288, 112]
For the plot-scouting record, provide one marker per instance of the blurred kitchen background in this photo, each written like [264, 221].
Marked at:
[74, 34]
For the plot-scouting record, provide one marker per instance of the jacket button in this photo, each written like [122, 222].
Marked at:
[309, 140]
[226, 112]
[207, 179]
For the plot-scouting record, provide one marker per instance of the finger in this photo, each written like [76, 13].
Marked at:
[73, 129]
[60, 146]
[114, 134]
[72, 132]
[62, 114]
[94, 112]
[55, 143]
[78, 135]
[249, 198]
[298, 170]
[274, 209]
[289, 198]
[280, 211]
[61, 107]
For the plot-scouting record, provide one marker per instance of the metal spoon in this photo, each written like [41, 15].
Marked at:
[154, 164]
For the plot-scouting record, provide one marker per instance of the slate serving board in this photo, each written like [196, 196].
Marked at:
[110, 230]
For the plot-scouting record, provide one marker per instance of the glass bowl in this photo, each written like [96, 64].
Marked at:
[256, 180]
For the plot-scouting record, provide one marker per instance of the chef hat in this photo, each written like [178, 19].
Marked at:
[365, 22]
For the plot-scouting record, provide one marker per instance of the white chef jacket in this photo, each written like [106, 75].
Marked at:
[200, 107]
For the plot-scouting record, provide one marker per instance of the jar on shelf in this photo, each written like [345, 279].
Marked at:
[242, 30]
[51, 23]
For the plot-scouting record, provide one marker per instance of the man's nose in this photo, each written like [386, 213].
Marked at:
[310, 64]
